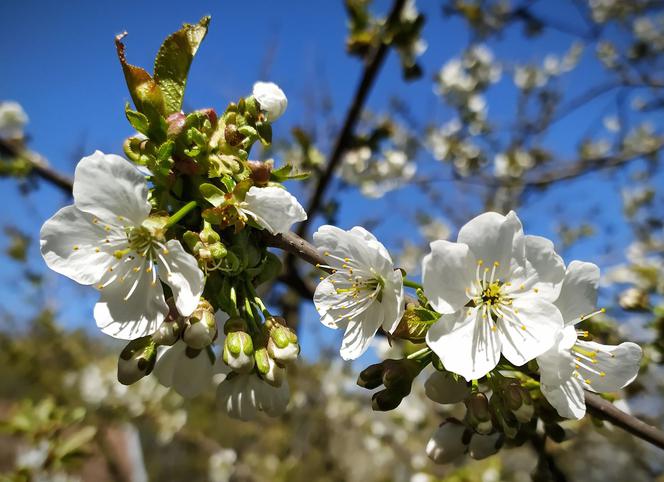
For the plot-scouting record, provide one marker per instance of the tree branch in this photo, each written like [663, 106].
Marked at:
[39, 165]
[368, 77]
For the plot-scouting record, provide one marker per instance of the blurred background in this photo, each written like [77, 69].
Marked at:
[553, 109]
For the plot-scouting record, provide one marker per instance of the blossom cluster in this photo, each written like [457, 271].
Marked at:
[496, 309]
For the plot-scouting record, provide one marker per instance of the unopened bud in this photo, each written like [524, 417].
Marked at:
[483, 446]
[175, 123]
[211, 114]
[268, 368]
[136, 360]
[282, 345]
[447, 442]
[519, 402]
[170, 329]
[371, 377]
[201, 327]
[208, 235]
[271, 99]
[232, 136]
[260, 172]
[386, 400]
[478, 415]
[239, 351]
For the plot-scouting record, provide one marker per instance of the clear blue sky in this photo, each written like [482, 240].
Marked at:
[59, 62]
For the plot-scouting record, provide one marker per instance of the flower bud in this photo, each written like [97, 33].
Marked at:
[483, 446]
[371, 377]
[136, 360]
[260, 172]
[239, 351]
[176, 122]
[634, 299]
[478, 414]
[271, 99]
[170, 329]
[519, 402]
[268, 368]
[447, 442]
[201, 327]
[211, 114]
[386, 400]
[208, 235]
[282, 344]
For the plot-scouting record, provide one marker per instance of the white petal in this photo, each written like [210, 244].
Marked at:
[69, 243]
[447, 273]
[530, 330]
[111, 188]
[183, 276]
[618, 364]
[442, 387]
[187, 376]
[493, 237]
[393, 301]
[360, 332]
[357, 244]
[483, 446]
[272, 400]
[545, 270]
[273, 208]
[556, 365]
[465, 343]
[567, 398]
[325, 300]
[237, 396]
[271, 99]
[371, 241]
[139, 315]
[578, 295]
[446, 444]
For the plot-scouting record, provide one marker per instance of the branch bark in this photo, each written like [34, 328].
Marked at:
[352, 115]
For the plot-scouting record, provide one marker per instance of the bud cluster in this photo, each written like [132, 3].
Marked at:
[395, 375]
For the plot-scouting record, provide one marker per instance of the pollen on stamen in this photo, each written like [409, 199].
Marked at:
[587, 380]
[107, 228]
[602, 374]
[480, 262]
[76, 247]
[523, 327]
[496, 264]
[97, 250]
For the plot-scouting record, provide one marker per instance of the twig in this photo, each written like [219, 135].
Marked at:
[39, 164]
[368, 77]
[605, 410]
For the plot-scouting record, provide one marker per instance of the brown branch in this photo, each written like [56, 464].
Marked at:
[361, 94]
[39, 165]
[605, 410]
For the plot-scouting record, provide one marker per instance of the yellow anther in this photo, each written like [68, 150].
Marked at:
[602, 310]
[536, 290]
[164, 251]
[496, 264]
[100, 286]
[326, 253]
[602, 374]
[480, 262]
[107, 228]
[346, 260]
[493, 328]
[523, 327]
[522, 287]
[110, 270]
[97, 250]
[587, 380]
[76, 247]
[149, 269]
[95, 221]
[136, 269]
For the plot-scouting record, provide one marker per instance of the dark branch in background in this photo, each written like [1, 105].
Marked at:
[39, 165]
[300, 248]
[352, 116]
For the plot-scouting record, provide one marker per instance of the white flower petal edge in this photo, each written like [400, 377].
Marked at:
[495, 288]
[187, 376]
[571, 365]
[271, 98]
[101, 240]
[364, 293]
[273, 208]
[244, 396]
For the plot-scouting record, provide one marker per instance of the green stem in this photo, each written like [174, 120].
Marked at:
[411, 284]
[257, 300]
[182, 212]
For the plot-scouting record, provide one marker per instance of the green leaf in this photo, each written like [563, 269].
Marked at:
[137, 120]
[165, 150]
[212, 194]
[284, 173]
[173, 60]
[144, 91]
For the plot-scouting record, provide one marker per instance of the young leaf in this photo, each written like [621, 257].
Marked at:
[212, 194]
[137, 120]
[144, 91]
[173, 60]
[284, 174]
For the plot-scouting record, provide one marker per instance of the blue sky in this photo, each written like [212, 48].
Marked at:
[59, 62]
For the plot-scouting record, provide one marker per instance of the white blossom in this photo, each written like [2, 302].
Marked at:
[363, 293]
[12, 120]
[245, 395]
[183, 369]
[107, 239]
[271, 98]
[446, 443]
[572, 365]
[273, 208]
[495, 289]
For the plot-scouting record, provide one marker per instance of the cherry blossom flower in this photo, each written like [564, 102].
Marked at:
[495, 289]
[364, 291]
[12, 120]
[273, 208]
[572, 365]
[245, 395]
[107, 239]
[271, 98]
[185, 370]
